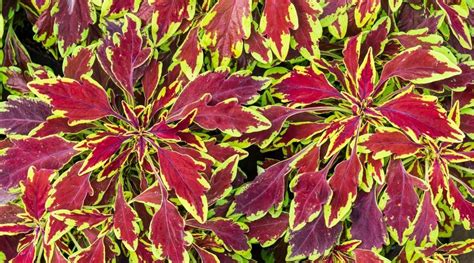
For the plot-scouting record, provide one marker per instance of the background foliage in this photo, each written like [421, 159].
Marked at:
[236, 130]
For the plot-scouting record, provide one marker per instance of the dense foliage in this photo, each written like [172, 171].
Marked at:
[236, 130]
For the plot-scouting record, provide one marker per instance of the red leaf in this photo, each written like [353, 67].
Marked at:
[181, 173]
[279, 17]
[458, 24]
[387, 142]
[426, 226]
[230, 232]
[223, 151]
[265, 192]
[105, 148]
[344, 184]
[463, 209]
[256, 46]
[400, 210]
[221, 87]
[225, 27]
[43, 153]
[364, 255]
[277, 116]
[114, 7]
[420, 66]
[35, 192]
[72, 19]
[121, 60]
[365, 11]
[57, 126]
[190, 55]
[231, 118]
[377, 37]
[79, 63]
[340, 133]
[437, 179]
[10, 213]
[366, 76]
[83, 219]
[70, 190]
[305, 86]
[26, 255]
[80, 101]
[206, 256]
[309, 28]
[94, 253]
[313, 240]
[151, 78]
[311, 191]
[167, 234]
[126, 226]
[267, 230]
[420, 115]
[167, 16]
[151, 196]
[22, 115]
[299, 131]
[222, 178]
[367, 221]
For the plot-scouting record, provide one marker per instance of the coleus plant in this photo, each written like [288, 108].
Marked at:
[236, 130]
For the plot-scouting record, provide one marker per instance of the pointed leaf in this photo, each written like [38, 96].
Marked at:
[387, 142]
[72, 19]
[79, 101]
[367, 221]
[277, 115]
[230, 232]
[309, 28]
[420, 66]
[231, 118]
[124, 57]
[43, 153]
[344, 184]
[267, 230]
[366, 76]
[265, 192]
[35, 191]
[426, 226]
[420, 115]
[151, 196]
[221, 87]
[167, 234]
[21, 115]
[340, 133]
[166, 16]
[181, 173]
[82, 219]
[313, 240]
[457, 23]
[365, 11]
[304, 86]
[190, 55]
[94, 253]
[279, 17]
[126, 220]
[70, 190]
[103, 150]
[463, 209]
[225, 27]
[401, 208]
[222, 178]
[311, 191]
[78, 63]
